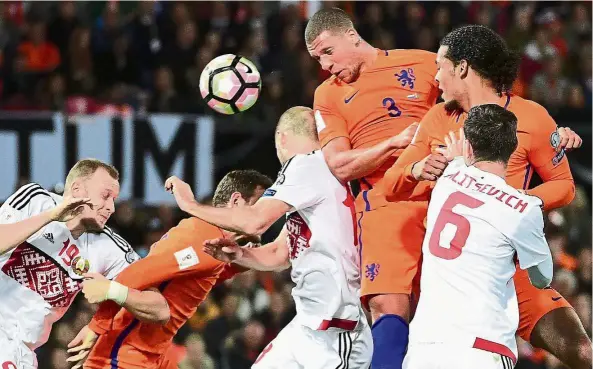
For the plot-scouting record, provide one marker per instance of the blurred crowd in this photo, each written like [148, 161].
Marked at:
[128, 57]
[90, 57]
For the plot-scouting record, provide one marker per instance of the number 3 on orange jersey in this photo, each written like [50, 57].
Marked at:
[393, 110]
[447, 216]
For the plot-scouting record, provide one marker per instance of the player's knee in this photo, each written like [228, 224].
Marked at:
[396, 304]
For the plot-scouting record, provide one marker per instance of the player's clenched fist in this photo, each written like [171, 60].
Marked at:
[223, 249]
[569, 140]
[402, 140]
[69, 208]
[95, 287]
[430, 168]
[181, 190]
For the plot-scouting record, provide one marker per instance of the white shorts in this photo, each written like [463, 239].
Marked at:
[14, 354]
[300, 347]
[444, 356]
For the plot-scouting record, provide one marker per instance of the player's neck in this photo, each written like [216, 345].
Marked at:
[492, 167]
[479, 94]
[368, 55]
[76, 228]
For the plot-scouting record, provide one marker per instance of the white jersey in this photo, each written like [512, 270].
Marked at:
[41, 277]
[476, 225]
[322, 251]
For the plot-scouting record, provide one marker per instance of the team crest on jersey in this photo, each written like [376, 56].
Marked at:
[406, 77]
[555, 142]
[372, 271]
[80, 265]
[131, 256]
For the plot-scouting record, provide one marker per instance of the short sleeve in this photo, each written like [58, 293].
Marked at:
[329, 123]
[27, 201]
[298, 182]
[120, 255]
[529, 240]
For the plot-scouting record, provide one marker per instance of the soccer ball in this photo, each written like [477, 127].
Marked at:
[230, 84]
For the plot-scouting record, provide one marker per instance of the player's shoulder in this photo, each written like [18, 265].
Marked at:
[112, 243]
[441, 112]
[414, 56]
[308, 161]
[193, 226]
[32, 194]
[529, 113]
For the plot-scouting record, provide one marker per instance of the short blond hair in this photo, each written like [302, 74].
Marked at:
[86, 168]
[332, 19]
[298, 120]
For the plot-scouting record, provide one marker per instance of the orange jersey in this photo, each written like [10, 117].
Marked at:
[537, 151]
[396, 91]
[183, 273]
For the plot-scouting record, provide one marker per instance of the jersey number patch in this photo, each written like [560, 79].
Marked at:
[392, 109]
[462, 225]
[68, 252]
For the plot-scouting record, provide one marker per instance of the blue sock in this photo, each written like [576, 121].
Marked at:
[390, 340]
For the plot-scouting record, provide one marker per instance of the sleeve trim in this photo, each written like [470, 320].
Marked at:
[24, 196]
[117, 240]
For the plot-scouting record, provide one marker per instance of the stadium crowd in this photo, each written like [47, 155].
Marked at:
[98, 57]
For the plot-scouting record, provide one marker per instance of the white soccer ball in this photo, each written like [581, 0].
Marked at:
[230, 84]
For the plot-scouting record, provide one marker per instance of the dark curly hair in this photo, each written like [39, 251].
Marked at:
[486, 52]
[492, 132]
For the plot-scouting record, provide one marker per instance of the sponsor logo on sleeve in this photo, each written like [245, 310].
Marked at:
[187, 258]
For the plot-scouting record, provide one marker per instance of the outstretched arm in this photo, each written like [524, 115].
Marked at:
[269, 257]
[255, 219]
[347, 164]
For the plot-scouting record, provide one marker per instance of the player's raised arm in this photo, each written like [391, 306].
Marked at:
[416, 162]
[346, 163]
[549, 161]
[254, 220]
[30, 209]
[272, 256]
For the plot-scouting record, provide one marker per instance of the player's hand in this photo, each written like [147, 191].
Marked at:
[569, 140]
[223, 249]
[182, 192]
[80, 346]
[70, 208]
[430, 168]
[402, 140]
[454, 145]
[95, 287]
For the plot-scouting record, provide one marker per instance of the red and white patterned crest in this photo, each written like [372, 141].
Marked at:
[299, 235]
[40, 273]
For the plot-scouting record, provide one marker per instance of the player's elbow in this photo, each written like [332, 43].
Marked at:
[570, 192]
[160, 315]
[163, 316]
[342, 172]
[541, 275]
[254, 225]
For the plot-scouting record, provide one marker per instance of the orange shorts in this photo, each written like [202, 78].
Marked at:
[390, 240]
[534, 303]
[124, 356]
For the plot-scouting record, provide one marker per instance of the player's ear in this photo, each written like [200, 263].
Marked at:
[75, 188]
[463, 69]
[353, 36]
[236, 199]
